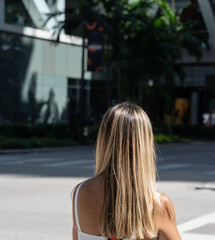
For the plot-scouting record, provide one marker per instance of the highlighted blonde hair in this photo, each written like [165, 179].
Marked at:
[125, 156]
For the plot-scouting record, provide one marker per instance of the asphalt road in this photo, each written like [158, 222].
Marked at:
[35, 189]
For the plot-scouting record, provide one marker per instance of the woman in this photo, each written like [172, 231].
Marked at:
[121, 200]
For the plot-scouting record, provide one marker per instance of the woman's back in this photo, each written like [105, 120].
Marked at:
[87, 211]
[89, 205]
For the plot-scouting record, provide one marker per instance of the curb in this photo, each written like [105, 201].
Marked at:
[42, 150]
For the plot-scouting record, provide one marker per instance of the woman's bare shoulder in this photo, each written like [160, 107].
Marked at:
[166, 218]
[90, 188]
[164, 208]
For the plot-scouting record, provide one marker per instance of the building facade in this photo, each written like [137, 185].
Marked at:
[39, 78]
[195, 96]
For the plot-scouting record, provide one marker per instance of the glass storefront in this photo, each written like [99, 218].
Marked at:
[34, 78]
[33, 13]
[16, 13]
[213, 5]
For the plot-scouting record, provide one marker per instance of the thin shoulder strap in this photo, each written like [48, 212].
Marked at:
[76, 207]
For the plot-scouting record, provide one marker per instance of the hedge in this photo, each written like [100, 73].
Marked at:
[51, 135]
[19, 130]
[8, 143]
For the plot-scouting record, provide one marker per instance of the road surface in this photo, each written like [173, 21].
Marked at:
[36, 189]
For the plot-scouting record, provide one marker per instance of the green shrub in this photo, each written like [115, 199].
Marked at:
[20, 130]
[19, 135]
[8, 143]
[162, 138]
[187, 131]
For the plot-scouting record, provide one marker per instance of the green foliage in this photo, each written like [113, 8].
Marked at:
[40, 136]
[149, 43]
[140, 44]
[188, 131]
[167, 15]
[162, 138]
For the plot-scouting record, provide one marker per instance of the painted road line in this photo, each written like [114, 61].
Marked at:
[35, 160]
[210, 173]
[44, 162]
[161, 159]
[173, 166]
[6, 158]
[210, 185]
[93, 166]
[194, 224]
[68, 163]
[197, 222]
[195, 236]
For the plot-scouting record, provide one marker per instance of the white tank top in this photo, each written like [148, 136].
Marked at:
[83, 235]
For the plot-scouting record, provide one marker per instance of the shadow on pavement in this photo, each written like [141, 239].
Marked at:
[192, 162]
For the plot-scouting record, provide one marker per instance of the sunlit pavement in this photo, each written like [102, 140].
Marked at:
[35, 197]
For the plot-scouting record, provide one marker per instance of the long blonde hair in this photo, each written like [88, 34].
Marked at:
[125, 157]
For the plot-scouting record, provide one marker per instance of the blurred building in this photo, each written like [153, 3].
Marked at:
[195, 102]
[39, 80]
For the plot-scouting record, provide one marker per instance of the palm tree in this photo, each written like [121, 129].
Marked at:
[142, 45]
[115, 17]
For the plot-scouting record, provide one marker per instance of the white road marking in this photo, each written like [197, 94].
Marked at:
[195, 236]
[184, 148]
[44, 162]
[68, 163]
[35, 160]
[209, 185]
[93, 166]
[210, 173]
[6, 158]
[197, 223]
[58, 162]
[162, 159]
[173, 166]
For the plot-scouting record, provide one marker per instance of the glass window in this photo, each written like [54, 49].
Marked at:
[16, 13]
[31, 88]
[33, 13]
[51, 3]
[213, 5]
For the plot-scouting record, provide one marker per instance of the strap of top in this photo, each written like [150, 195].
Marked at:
[76, 207]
